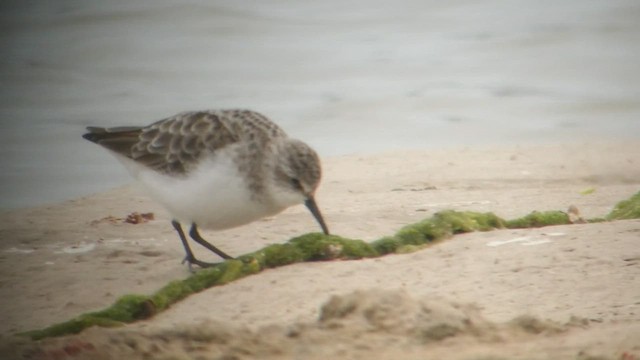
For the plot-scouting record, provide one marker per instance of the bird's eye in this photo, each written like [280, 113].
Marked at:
[296, 184]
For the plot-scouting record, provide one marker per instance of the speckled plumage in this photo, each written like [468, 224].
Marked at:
[175, 144]
[217, 169]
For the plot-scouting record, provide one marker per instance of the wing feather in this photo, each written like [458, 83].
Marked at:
[176, 144]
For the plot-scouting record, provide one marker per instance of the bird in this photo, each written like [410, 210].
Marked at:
[216, 169]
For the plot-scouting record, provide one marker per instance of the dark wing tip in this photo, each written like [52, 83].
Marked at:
[97, 134]
[94, 133]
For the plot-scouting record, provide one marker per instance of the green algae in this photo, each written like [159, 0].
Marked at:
[468, 221]
[539, 219]
[422, 232]
[320, 247]
[280, 255]
[315, 247]
[127, 309]
[626, 209]
[386, 245]
[442, 225]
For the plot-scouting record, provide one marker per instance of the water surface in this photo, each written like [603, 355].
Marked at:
[345, 76]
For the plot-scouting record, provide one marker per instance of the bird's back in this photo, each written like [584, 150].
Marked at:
[176, 144]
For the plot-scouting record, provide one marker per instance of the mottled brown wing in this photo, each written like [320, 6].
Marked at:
[174, 145]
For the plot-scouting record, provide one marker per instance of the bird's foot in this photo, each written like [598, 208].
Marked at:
[191, 260]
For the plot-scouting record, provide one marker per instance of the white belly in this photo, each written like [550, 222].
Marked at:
[214, 196]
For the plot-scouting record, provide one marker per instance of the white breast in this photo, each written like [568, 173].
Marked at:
[214, 196]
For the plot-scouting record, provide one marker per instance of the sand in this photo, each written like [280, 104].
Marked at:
[556, 292]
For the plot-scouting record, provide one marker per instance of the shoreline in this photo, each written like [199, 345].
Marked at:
[53, 251]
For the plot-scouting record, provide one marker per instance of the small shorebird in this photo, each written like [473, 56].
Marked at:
[216, 169]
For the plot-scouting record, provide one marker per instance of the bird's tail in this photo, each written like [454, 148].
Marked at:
[117, 139]
[99, 134]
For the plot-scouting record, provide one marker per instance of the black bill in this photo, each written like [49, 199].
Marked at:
[310, 203]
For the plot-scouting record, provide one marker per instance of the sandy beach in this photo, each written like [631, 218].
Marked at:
[414, 107]
[572, 289]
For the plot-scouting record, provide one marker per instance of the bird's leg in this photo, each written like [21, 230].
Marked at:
[195, 235]
[190, 258]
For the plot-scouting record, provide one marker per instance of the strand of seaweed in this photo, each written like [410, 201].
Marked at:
[316, 247]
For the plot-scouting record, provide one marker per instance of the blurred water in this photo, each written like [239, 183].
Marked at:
[345, 76]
